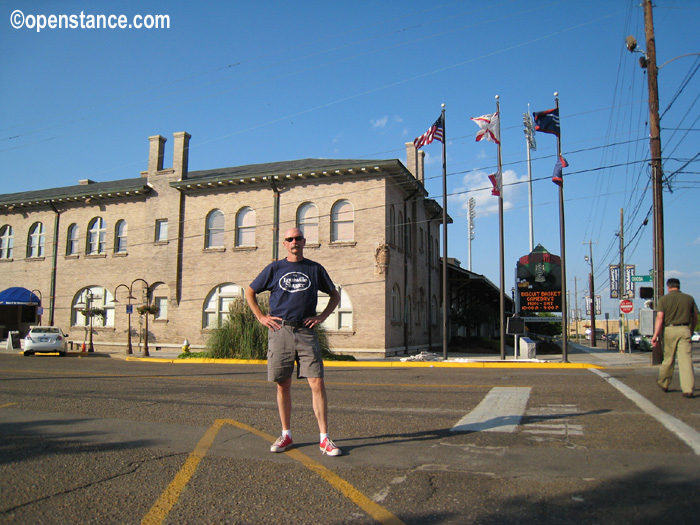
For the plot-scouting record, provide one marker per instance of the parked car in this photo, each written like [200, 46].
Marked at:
[611, 340]
[635, 339]
[45, 339]
[695, 338]
[599, 333]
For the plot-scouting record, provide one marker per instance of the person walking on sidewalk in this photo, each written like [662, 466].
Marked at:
[676, 316]
[294, 283]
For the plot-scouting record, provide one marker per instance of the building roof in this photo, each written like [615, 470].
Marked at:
[80, 192]
[298, 170]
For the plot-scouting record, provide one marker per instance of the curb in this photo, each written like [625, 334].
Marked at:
[382, 364]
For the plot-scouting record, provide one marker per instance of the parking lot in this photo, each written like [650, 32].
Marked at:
[99, 439]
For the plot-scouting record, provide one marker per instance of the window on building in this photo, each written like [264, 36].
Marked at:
[97, 233]
[7, 240]
[162, 304]
[408, 314]
[161, 233]
[245, 227]
[392, 224]
[93, 297]
[214, 234]
[399, 231]
[342, 222]
[35, 242]
[307, 222]
[72, 239]
[396, 311]
[341, 318]
[216, 305]
[422, 318]
[409, 237]
[120, 236]
[421, 240]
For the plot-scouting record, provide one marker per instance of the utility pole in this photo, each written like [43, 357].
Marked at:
[655, 149]
[621, 284]
[591, 286]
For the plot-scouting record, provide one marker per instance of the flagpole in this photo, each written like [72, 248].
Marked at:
[444, 242]
[562, 236]
[502, 304]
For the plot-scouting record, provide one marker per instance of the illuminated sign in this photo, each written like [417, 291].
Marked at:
[538, 283]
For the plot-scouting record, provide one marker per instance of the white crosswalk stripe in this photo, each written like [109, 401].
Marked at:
[500, 411]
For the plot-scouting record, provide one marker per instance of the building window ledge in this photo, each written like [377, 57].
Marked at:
[120, 254]
[214, 249]
[340, 244]
[95, 255]
[244, 248]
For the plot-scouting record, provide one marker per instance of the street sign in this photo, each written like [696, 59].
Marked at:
[626, 306]
[641, 278]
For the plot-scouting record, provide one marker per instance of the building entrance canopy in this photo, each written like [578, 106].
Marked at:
[18, 295]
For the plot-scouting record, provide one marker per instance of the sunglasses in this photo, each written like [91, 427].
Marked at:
[298, 238]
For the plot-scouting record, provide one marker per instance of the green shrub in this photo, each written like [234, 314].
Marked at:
[241, 336]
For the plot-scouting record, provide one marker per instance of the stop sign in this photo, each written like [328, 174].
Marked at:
[626, 306]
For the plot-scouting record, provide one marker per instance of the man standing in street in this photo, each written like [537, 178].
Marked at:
[294, 283]
[677, 315]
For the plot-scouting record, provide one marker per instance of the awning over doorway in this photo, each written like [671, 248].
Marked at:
[18, 295]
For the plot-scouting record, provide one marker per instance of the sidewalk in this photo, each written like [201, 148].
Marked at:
[580, 356]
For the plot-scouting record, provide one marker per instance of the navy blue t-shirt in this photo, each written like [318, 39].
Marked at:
[293, 287]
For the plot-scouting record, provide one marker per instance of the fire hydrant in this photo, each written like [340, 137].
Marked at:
[186, 347]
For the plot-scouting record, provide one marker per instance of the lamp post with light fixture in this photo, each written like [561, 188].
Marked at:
[129, 349]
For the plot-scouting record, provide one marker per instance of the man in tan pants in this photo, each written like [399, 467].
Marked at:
[676, 315]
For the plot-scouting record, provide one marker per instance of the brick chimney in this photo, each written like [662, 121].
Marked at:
[415, 161]
[181, 153]
[155, 154]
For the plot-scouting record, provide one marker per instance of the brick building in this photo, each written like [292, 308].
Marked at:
[190, 242]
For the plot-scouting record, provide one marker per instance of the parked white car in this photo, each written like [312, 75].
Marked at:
[45, 339]
[695, 338]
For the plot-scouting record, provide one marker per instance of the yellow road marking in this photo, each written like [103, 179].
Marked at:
[7, 405]
[170, 496]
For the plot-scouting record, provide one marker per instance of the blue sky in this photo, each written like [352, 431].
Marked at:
[263, 81]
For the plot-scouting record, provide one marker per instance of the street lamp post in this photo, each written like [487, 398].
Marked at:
[40, 301]
[145, 343]
[129, 349]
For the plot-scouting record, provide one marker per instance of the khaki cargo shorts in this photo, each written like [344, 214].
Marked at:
[289, 345]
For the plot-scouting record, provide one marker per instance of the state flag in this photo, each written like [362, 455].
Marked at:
[490, 127]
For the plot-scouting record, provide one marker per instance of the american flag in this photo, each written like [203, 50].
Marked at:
[436, 131]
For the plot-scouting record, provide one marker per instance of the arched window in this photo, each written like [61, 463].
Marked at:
[216, 305]
[408, 315]
[407, 233]
[35, 242]
[93, 297]
[399, 231]
[396, 310]
[341, 318]
[214, 234]
[72, 239]
[307, 221]
[120, 236]
[97, 232]
[245, 227]
[422, 310]
[392, 224]
[7, 240]
[342, 222]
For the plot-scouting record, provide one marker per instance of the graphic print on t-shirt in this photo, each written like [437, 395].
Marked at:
[294, 282]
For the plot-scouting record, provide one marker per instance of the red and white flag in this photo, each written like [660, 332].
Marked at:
[490, 127]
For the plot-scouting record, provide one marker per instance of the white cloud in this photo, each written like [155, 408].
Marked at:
[477, 185]
[380, 122]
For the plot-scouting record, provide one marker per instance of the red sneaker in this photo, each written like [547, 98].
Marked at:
[328, 447]
[282, 444]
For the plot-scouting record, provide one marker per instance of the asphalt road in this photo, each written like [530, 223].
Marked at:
[102, 440]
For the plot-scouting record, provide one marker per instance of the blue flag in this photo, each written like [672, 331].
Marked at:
[558, 176]
[547, 121]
